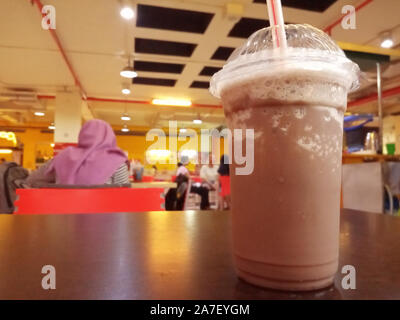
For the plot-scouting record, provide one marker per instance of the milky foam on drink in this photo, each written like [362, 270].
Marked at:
[307, 76]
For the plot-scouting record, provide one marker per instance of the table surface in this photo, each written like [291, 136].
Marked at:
[173, 255]
[154, 184]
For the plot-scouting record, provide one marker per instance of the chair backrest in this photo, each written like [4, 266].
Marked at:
[185, 204]
[147, 179]
[196, 179]
[362, 186]
[104, 200]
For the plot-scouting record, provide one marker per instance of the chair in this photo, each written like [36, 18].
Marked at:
[187, 203]
[363, 187]
[97, 200]
[196, 179]
[147, 179]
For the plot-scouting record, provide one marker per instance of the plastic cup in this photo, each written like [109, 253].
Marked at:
[285, 215]
[391, 148]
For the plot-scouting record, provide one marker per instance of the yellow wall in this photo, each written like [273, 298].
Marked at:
[136, 146]
[5, 144]
[33, 140]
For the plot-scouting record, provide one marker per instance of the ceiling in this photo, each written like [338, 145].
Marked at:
[176, 46]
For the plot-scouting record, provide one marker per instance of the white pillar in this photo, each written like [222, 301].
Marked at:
[68, 117]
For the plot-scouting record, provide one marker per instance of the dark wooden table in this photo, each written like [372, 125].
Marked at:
[172, 255]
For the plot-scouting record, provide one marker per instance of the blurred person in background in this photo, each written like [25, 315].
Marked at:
[137, 169]
[154, 170]
[224, 183]
[209, 174]
[95, 160]
[182, 180]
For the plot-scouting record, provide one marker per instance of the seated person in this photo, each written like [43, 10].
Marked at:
[95, 160]
[209, 175]
[182, 176]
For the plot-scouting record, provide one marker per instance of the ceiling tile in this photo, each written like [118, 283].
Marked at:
[170, 48]
[222, 53]
[158, 67]
[173, 19]
[246, 27]
[209, 71]
[200, 84]
[311, 5]
[154, 81]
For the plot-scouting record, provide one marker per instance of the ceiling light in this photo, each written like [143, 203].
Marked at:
[52, 127]
[172, 102]
[39, 113]
[125, 129]
[9, 136]
[197, 121]
[125, 117]
[127, 13]
[182, 130]
[387, 43]
[128, 72]
[386, 40]
[126, 91]
[5, 151]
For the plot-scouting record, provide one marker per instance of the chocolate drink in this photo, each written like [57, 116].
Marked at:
[285, 215]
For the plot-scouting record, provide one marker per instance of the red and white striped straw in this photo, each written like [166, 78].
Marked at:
[276, 21]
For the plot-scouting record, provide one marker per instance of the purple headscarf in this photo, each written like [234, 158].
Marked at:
[93, 161]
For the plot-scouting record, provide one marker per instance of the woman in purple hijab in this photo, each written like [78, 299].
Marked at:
[95, 160]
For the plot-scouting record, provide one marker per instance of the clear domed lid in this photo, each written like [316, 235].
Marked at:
[308, 48]
[297, 36]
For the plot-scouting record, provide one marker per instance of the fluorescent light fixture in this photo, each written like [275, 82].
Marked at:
[39, 113]
[125, 129]
[125, 117]
[387, 43]
[5, 151]
[128, 72]
[52, 127]
[182, 130]
[127, 13]
[197, 121]
[126, 91]
[190, 153]
[158, 154]
[172, 102]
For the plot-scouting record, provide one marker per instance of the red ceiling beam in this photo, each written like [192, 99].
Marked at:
[329, 28]
[62, 51]
[373, 97]
[196, 105]
[116, 100]
[146, 102]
